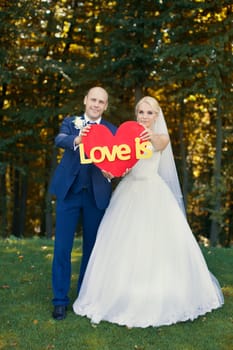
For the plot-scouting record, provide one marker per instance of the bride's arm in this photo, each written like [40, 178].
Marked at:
[159, 141]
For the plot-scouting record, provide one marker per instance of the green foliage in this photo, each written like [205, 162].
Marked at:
[26, 322]
[52, 52]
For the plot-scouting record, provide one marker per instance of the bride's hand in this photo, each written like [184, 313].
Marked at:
[146, 135]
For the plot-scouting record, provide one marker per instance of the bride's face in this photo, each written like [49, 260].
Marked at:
[146, 115]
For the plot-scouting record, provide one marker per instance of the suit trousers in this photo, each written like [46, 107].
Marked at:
[68, 213]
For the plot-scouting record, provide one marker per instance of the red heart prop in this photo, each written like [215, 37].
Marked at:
[100, 136]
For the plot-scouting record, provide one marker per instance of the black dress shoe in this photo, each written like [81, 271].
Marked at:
[59, 312]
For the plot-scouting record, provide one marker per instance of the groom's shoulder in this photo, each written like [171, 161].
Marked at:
[109, 124]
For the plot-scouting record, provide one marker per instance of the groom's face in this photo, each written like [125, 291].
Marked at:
[96, 102]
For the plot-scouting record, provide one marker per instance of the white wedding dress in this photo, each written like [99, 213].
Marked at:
[146, 268]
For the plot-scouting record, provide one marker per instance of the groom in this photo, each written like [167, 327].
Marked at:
[81, 190]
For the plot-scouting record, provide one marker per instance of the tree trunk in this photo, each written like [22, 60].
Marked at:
[19, 204]
[49, 213]
[3, 168]
[229, 238]
[23, 203]
[16, 205]
[183, 172]
[138, 93]
[3, 209]
[215, 220]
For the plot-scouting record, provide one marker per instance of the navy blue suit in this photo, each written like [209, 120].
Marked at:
[80, 189]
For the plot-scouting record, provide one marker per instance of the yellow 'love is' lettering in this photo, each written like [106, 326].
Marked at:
[83, 160]
[118, 151]
[142, 149]
[122, 152]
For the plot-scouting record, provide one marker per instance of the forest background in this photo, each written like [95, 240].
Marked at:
[53, 51]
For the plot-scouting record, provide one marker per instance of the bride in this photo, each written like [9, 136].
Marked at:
[146, 268]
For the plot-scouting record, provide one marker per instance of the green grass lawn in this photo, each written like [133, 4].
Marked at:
[25, 308]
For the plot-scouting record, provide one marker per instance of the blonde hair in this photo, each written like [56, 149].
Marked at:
[151, 101]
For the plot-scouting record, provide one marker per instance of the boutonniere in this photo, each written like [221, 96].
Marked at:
[79, 123]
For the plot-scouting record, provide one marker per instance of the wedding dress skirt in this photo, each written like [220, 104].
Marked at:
[146, 268]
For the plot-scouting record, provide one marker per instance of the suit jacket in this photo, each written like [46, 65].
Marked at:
[69, 167]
